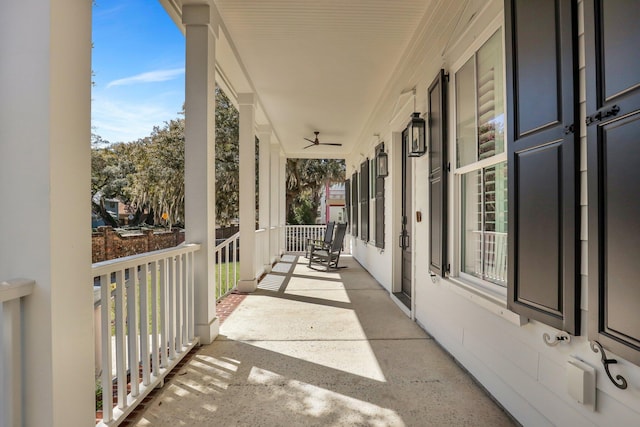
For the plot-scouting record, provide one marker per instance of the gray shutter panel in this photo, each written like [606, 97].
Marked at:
[354, 204]
[364, 200]
[612, 37]
[542, 112]
[438, 165]
[379, 205]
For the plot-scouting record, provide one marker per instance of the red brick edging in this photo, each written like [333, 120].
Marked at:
[226, 305]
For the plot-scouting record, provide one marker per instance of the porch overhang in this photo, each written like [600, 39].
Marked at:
[314, 66]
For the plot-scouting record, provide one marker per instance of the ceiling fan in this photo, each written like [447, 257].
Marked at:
[317, 142]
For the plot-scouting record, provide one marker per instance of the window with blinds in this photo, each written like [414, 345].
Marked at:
[481, 163]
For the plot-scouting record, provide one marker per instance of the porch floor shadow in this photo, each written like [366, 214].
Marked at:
[314, 348]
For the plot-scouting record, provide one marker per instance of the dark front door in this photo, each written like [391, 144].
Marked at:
[612, 38]
[405, 236]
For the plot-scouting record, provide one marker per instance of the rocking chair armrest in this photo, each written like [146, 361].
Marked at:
[317, 244]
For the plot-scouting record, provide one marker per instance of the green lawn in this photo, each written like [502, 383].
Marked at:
[222, 270]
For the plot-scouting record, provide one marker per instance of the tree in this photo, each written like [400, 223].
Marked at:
[149, 173]
[305, 179]
[158, 181]
[227, 159]
[110, 168]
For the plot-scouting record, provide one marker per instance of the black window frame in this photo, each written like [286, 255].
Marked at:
[379, 197]
[437, 130]
[354, 204]
[364, 200]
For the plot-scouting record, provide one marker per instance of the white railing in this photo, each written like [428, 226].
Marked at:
[491, 256]
[336, 194]
[12, 293]
[297, 235]
[227, 267]
[145, 324]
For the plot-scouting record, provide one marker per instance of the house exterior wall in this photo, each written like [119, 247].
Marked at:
[504, 352]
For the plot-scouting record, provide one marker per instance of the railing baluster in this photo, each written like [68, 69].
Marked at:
[155, 360]
[132, 329]
[164, 306]
[227, 268]
[144, 323]
[10, 363]
[185, 314]
[236, 261]
[218, 272]
[185, 300]
[177, 320]
[192, 281]
[172, 308]
[121, 369]
[12, 338]
[105, 316]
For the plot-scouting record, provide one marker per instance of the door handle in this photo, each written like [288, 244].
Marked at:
[602, 114]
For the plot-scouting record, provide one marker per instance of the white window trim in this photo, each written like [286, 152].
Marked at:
[490, 295]
[487, 300]
[372, 199]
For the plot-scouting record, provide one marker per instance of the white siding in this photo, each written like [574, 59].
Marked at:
[512, 362]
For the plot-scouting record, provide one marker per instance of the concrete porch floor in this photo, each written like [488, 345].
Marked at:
[314, 348]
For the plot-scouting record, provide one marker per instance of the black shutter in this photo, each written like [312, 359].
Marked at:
[379, 204]
[438, 168]
[347, 202]
[542, 154]
[612, 40]
[354, 204]
[364, 200]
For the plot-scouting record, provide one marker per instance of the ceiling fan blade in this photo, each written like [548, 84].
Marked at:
[308, 146]
[310, 140]
[330, 143]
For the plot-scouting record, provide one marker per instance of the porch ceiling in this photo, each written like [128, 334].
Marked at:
[319, 65]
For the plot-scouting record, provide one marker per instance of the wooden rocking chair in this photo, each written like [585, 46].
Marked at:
[328, 256]
[325, 242]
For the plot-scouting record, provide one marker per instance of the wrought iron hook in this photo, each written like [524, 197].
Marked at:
[597, 347]
[557, 339]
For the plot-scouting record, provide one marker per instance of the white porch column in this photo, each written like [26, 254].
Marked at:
[45, 171]
[199, 180]
[248, 281]
[283, 203]
[277, 187]
[265, 190]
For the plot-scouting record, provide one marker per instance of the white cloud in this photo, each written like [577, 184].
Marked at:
[125, 121]
[148, 77]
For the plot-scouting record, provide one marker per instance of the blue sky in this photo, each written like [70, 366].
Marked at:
[138, 61]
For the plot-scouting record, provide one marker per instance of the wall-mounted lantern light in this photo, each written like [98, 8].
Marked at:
[382, 164]
[416, 131]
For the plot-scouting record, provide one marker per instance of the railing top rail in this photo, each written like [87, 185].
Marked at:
[226, 242]
[106, 267]
[260, 230]
[15, 288]
[496, 233]
[305, 225]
